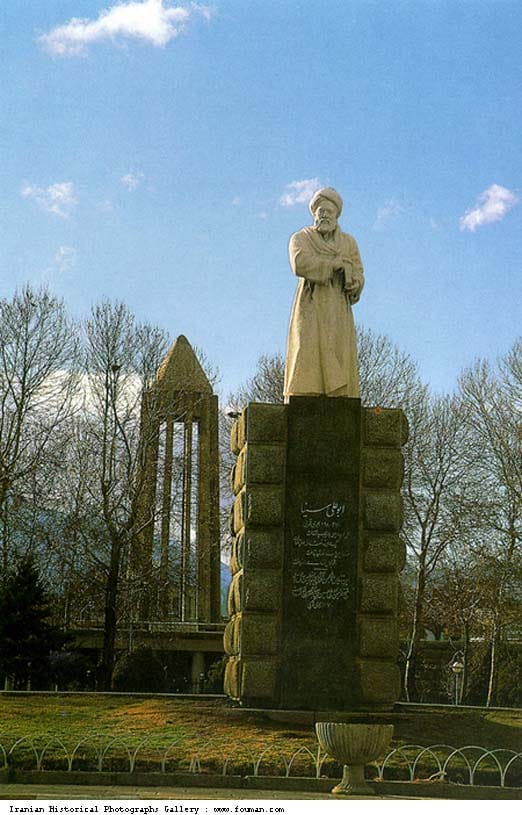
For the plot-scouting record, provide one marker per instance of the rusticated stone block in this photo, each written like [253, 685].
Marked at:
[231, 684]
[259, 678]
[382, 511]
[236, 555]
[232, 478]
[234, 444]
[241, 430]
[239, 512]
[380, 681]
[265, 463]
[382, 553]
[263, 549]
[385, 427]
[227, 636]
[265, 505]
[382, 467]
[378, 637]
[262, 591]
[231, 636]
[238, 472]
[379, 594]
[266, 422]
[231, 603]
[234, 594]
[259, 633]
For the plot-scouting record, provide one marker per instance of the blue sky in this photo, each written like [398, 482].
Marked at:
[150, 148]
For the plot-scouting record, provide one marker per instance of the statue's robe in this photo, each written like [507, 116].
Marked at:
[322, 351]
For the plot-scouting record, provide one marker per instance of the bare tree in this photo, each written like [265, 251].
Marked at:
[456, 607]
[38, 353]
[388, 376]
[494, 400]
[435, 464]
[266, 385]
[121, 359]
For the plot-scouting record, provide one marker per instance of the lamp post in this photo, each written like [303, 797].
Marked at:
[457, 666]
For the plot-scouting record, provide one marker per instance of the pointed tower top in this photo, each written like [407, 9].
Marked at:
[181, 370]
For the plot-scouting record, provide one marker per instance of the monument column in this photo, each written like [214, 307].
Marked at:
[316, 555]
[178, 504]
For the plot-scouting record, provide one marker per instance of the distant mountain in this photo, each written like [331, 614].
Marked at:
[226, 579]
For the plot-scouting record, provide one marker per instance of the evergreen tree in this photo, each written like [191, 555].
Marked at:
[27, 638]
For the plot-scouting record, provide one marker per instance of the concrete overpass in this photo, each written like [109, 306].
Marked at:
[193, 637]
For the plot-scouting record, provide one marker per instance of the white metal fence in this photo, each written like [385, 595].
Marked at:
[470, 765]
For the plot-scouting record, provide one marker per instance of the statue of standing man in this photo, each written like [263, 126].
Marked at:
[321, 357]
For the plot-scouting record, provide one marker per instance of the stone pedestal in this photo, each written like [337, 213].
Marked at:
[316, 556]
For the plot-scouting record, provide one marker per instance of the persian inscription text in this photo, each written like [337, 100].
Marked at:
[320, 563]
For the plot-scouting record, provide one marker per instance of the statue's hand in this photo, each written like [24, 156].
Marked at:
[353, 291]
[337, 278]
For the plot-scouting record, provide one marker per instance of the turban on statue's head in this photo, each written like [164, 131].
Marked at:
[330, 195]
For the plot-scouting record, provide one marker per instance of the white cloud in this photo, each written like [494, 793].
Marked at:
[299, 192]
[386, 213]
[206, 11]
[155, 22]
[59, 198]
[132, 180]
[105, 205]
[65, 259]
[236, 201]
[492, 205]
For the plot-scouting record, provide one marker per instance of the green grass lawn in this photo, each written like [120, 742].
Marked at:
[208, 727]
[76, 716]
[459, 726]
[201, 727]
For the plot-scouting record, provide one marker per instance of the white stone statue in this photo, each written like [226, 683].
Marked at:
[321, 354]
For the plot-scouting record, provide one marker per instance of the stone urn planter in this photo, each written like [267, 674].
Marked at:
[354, 745]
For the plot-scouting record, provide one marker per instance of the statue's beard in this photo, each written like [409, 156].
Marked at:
[324, 225]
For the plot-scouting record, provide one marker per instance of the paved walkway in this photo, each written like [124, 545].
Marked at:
[44, 792]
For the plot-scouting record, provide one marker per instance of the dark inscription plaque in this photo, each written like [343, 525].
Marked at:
[320, 566]
[321, 544]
